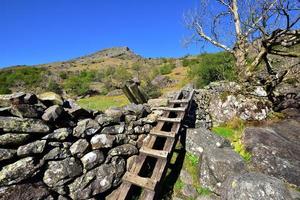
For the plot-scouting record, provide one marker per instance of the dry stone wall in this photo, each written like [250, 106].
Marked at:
[50, 148]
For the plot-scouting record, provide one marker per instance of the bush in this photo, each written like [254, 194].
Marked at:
[54, 87]
[152, 91]
[30, 77]
[212, 67]
[166, 68]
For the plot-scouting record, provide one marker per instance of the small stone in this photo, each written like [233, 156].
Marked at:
[79, 147]
[59, 134]
[57, 153]
[102, 141]
[113, 130]
[185, 177]
[52, 113]
[27, 110]
[14, 139]
[139, 130]
[123, 150]
[105, 120]
[6, 154]
[92, 159]
[189, 191]
[36, 147]
[86, 127]
[51, 97]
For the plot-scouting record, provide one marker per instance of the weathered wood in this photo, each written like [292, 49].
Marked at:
[129, 95]
[178, 109]
[139, 181]
[137, 93]
[166, 119]
[163, 133]
[185, 101]
[153, 152]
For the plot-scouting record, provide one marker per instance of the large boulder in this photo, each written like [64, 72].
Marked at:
[224, 107]
[105, 120]
[18, 171]
[18, 125]
[275, 149]
[254, 186]
[24, 191]
[138, 110]
[14, 139]
[217, 164]
[60, 172]
[97, 180]
[36, 147]
[86, 127]
[200, 140]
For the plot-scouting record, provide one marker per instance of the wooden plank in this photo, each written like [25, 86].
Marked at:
[178, 109]
[163, 133]
[154, 153]
[166, 119]
[179, 101]
[129, 95]
[137, 93]
[134, 179]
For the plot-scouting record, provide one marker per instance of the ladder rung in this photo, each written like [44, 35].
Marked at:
[153, 152]
[163, 133]
[179, 109]
[140, 181]
[179, 101]
[166, 119]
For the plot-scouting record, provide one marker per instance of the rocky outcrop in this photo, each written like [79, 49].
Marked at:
[255, 186]
[61, 151]
[275, 149]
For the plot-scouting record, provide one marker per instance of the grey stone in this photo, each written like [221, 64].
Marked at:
[24, 191]
[18, 125]
[60, 172]
[97, 180]
[57, 153]
[78, 112]
[14, 139]
[105, 120]
[275, 149]
[129, 118]
[189, 191]
[18, 171]
[254, 186]
[59, 134]
[185, 177]
[218, 164]
[92, 159]
[162, 102]
[52, 97]
[86, 127]
[138, 110]
[123, 150]
[5, 111]
[6, 154]
[113, 130]
[52, 113]
[115, 113]
[208, 197]
[102, 141]
[7, 99]
[200, 140]
[79, 147]
[36, 147]
[30, 98]
[27, 110]
[139, 130]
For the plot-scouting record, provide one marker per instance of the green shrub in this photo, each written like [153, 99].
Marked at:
[54, 87]
[30, 77]
[211, 67]
[151, 90]
[166, 68]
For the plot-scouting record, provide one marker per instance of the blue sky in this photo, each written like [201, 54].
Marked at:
[41, 31]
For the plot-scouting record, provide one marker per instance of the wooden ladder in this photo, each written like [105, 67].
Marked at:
[180, 106]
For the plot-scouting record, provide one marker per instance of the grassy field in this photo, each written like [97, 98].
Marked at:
[103, 102]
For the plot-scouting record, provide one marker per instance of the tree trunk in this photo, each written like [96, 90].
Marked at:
[240, 54]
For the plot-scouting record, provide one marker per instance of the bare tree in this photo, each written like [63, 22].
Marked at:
[233, 25]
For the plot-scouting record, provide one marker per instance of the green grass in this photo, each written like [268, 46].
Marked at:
[233, 131]
[193, 159]
[103, 102]
[179, 184]
[203, 191]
